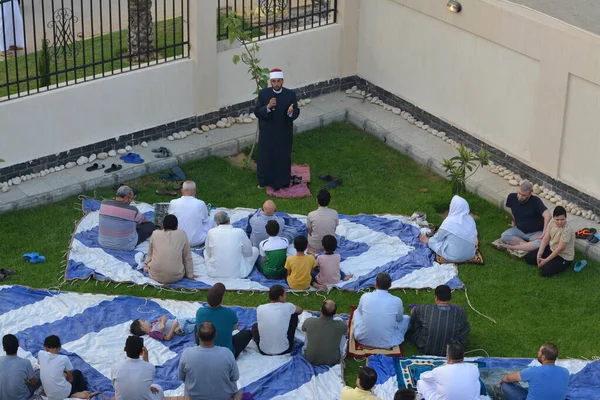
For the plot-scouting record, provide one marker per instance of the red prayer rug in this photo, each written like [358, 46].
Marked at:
[294, 191]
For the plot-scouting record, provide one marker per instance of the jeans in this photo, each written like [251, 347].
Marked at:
[515, 232]
[514, 391]
[79, 383]
[144, 231]
[552, 267]
[291, 333]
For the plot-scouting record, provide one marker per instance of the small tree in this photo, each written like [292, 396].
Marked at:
[457, 167]
[234, 24]
[44, 64]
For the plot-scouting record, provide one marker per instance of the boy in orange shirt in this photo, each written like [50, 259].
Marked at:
[300, 266]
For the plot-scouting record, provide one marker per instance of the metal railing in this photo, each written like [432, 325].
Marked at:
[271, 18]
[47, 44]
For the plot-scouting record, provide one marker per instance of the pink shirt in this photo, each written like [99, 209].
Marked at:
[329, 268]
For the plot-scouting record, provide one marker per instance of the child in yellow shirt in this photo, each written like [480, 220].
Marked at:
[300, 266]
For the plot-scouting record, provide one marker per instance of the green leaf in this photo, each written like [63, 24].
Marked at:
[236, 59]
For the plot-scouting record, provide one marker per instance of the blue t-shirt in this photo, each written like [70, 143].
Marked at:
[224, 319]
[547, 382]
[528, 215]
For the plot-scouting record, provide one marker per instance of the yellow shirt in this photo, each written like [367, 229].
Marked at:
[349, 393]
[300, 267]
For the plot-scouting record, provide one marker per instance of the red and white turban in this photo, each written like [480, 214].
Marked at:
[276, 74]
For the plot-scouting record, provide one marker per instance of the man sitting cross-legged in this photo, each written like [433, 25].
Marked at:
[277, 322]
[225, 321]
[379, 320]
[169, 256]
[530, 220]
[18, 380]
[367, 378]
[320, 222]
[192, 213]
[209, 371]
[120, 225]
[324, 336]
[547, 382]
[273, 253]
[456, 380]
[436, 325]
[259, 219]
[133, 378]
[228, 251]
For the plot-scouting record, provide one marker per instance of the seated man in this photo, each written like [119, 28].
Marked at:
[209, 371]
[192, 214]
[367, 378]
[405, 394]
[530, 220]
[379, 320]
[456, 380]
[258, 221]
[277, 322]
[133, 378]
[548, 381]
[228, 252]
[273, 253]
[121, 226]
[225, 321]
[18, 381]
[169, 256]
[557, 250]
[435, 325]
[323, 221]
[324, 336]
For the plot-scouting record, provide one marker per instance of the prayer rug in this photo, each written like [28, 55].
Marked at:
[368, 244]
[357, 350]
[478, 259]
[93, 329]
[393, 373]
[295, 191]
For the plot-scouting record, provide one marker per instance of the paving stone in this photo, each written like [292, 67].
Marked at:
[356, 118]
[376, 130]
[308, 124]
[161, 164]
[224, 149]
[334, 116]
[192, 155]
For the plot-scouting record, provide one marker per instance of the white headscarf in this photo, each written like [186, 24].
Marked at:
[459, 222]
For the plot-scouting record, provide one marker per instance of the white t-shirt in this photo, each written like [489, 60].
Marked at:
[192, 217]
[273, 322]
[132, 378]
[451, 382]
[52, 369]
[272, 243]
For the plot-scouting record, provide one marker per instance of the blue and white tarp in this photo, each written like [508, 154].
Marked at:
[584, 383]
[368, 244]
[93, 329]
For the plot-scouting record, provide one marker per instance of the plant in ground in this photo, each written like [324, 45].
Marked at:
[456, 167]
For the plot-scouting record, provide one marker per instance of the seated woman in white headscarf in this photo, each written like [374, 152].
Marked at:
[456, 240]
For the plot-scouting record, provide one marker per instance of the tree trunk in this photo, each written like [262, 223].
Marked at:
[141, 29]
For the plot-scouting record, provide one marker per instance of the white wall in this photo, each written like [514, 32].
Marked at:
[515, 78]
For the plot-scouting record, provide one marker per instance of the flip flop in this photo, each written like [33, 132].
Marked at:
[37, 260]
[585, 233]
[579, 265]
[176, 174]
[334, 183]
[2, 277]
[164, 153]
[95, 167]
[594, 238]
[132, 158]
[7, 272]
[159, 150]
[29, 256]
[326, 178]
[166, 192]
[179, 186]
[113, 168]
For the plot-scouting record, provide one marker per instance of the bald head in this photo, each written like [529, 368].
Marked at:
[269, 208]
[188, 188]
[328, 309]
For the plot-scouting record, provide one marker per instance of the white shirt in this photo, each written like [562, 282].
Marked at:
[52, 369]
[272, 243]
[451, 382]
[378, 320]
[225, 252]
[132, 378]
[273, 322]
[192, 217]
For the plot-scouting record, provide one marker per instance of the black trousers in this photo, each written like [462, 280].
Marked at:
[144, 231]
[240, 341]
[553, 267]
[79, 383]
[293, 324]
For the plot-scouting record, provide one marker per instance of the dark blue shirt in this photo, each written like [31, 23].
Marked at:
[528, 215]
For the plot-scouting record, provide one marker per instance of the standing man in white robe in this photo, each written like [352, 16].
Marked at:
[11, 26]
[228, 251]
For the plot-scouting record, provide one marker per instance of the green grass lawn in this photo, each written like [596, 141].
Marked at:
[529, 309]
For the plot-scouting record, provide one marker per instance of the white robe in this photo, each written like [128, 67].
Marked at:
[450, 382]
[228, 253]
[11, 26]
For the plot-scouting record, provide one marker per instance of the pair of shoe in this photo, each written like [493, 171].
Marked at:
[332, 182]
[5, 273]
[132, 158]
[162, 152]
[34, 258]
[586, 233]
[176, 174]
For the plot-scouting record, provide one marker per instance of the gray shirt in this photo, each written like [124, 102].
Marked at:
[209, 373]
[132, 379]
[321, 222]
[258, 222]
[13, 372]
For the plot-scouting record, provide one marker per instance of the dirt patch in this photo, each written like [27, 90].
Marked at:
[240, 160]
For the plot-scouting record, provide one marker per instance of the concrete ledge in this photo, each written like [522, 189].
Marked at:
[224, 149]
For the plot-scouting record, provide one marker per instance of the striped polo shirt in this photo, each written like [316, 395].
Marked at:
[117, 225]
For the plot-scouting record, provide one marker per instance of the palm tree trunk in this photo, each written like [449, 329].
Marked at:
[141, 27]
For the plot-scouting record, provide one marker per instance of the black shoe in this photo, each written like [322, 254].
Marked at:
[326, 178]
[334, 183]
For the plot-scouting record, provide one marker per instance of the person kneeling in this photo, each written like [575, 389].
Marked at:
[273, 252]
[557, 250]
[169, 255]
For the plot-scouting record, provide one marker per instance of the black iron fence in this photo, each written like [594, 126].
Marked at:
[271, 18]
[46, 44]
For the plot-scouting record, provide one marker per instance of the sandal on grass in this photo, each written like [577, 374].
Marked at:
[579, 265]
[334, 183]
[166, 192]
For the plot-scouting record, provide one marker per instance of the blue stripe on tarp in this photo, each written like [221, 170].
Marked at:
[391, 227]
[385, 367]
[18, 296]
[78, 270]
[585, 384]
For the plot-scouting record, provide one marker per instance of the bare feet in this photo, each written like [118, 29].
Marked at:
[318, 286]
[347, 277]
